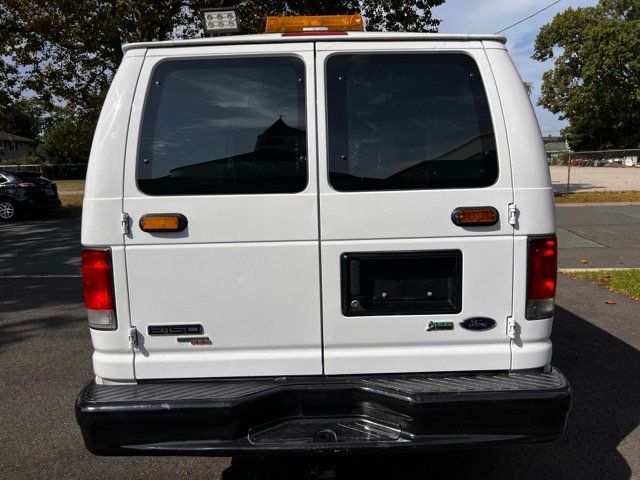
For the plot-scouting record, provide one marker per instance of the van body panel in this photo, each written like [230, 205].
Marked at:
[258, 303]
[527, 149]
[533, 197]
[418, 221]
[113, 354]
[102, 202]
[176, 278]
[246, 268]
[403, 343]
[102, 211]
[218, 221]
[276, 38]
[402, 218]
[313, 286]
[531, 348]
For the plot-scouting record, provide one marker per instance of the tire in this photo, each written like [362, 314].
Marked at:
[8, 211]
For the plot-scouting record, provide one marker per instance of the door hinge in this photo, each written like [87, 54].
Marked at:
[133, 337]
[513, 214]
[511, 327]
[124, 223]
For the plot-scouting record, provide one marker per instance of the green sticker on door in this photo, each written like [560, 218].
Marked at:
[439, 326]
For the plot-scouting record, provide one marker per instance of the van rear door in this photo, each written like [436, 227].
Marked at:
[219, 135]
[412, 132]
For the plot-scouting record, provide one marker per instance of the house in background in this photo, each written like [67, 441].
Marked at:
[556, 148]
[14, 148]
[555, 144]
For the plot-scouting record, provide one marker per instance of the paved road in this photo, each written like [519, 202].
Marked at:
[599, 236]
[45, 359]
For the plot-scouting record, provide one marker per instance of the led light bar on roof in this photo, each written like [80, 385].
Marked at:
[216, 21]
[317, 23]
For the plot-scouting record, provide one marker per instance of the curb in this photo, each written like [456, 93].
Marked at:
[595, 204]
[617, 269]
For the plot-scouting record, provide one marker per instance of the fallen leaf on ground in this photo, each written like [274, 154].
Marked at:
[584, 260]
[610, 302]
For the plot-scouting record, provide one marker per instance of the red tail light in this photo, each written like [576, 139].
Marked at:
[542, 267]
[97, 283]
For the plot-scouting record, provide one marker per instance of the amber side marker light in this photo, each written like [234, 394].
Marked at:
[475, 216]
[163, 222]
[315, 23]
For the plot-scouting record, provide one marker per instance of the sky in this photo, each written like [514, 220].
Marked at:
[489, 16]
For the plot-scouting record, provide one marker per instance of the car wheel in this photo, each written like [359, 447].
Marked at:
[7, 210]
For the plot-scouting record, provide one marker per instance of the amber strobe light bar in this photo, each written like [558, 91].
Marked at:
[317, 23]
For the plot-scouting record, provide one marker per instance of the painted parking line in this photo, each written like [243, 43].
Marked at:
[42, 275]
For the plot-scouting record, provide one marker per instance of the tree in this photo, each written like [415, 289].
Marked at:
[595, 82]
[66, 51]
[19, 117]
[67, 139]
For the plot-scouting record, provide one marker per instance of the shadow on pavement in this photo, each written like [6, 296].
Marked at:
[37, 247]
[34, 307]
[561, 187]
[603, 372]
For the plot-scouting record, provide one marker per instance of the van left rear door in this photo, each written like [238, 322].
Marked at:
[221, 136]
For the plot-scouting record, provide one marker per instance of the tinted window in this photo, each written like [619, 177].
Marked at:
[223, 126]
[408, 121]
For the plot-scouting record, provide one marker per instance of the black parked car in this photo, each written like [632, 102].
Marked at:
[22, 192]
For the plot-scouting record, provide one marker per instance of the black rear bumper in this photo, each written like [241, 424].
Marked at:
[323, 414]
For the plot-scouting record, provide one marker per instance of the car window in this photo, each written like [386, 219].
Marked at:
[224, 126]
[29, 176]
[408, 121]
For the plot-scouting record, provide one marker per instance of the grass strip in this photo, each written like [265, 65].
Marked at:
[626, 282]
[599, 197]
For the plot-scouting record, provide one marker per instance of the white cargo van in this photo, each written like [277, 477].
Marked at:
[319, 241]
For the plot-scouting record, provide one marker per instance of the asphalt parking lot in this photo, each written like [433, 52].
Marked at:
[598, 236]
[45, 358]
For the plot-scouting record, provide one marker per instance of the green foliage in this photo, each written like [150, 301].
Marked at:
[66, 52]
[19, 117]
[595, 82]
[387, 15]
[67, 138]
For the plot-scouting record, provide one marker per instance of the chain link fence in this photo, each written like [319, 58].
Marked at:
[595, 171]
[63, 171]
[571, 172]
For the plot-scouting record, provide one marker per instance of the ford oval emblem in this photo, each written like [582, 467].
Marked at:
[478, 323]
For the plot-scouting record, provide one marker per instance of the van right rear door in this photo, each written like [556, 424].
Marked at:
[412, 132]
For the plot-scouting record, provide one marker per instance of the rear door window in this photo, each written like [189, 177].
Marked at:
[408, 121]
[224, 126]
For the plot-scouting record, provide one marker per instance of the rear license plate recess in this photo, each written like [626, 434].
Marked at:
[401, 283]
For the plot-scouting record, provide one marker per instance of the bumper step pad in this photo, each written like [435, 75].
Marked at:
[323, 414]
